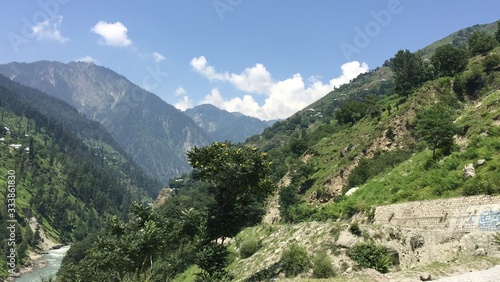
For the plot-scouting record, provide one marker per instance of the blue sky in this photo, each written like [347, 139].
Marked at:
[263, 58]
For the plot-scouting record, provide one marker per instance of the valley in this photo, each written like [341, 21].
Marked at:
[393, 176]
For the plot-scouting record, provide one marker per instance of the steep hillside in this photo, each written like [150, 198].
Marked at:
[365, 129]
[222, 125]
[155, 134]
[93, 132]
[66, 177]
[412, 129]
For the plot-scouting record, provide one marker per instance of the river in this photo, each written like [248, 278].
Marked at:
[53, 258]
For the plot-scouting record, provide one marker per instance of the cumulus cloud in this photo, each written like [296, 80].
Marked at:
[49, 30]
[283, 97]
[184, 104]
[113, 34]
[88, 59]
[180, 91]
[255, 79]
[158, 57]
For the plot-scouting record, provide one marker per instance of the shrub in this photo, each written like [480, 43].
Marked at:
[295, 260]
[322, 266]
[249, 247]
[368, 168]
[491, 62]
[474, 81]
[354, 229]
[370, 255]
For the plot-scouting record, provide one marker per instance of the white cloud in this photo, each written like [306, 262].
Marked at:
[113, 34]
[49, 30]
[284, 97]
[158, 57]
[255, 79]
[235, 104]
[180, 91]
[184, 104]
[88, 59]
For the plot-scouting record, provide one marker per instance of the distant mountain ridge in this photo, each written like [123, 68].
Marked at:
[154, 133]
[222, 125]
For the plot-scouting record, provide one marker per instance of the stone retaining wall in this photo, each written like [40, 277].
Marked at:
[457, 214]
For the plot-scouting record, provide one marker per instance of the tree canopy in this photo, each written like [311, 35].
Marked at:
[238, 179]
[407, 69]
[435, 125]
[449, 60]
[481, 43]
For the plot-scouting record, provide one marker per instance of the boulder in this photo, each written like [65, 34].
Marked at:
[416, 242]
[426, 277]
[481, 162]
[351, 191]
[480, 252]
[469, 171]
[347, 240]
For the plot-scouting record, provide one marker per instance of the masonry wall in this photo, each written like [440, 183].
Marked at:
[457, 214]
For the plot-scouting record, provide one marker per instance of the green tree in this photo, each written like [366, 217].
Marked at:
[407, 69]
[435, 125]
[449, 60]
[288, 201]
[351, 112]
[481, 43]
[238, 180]
[497, 33]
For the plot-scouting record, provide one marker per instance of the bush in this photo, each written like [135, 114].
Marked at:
[491, 62]
[249, 247]
[474, 81]
[295, 260]
[368, 168]
[354, 229]
[322, 266]
[370, 255]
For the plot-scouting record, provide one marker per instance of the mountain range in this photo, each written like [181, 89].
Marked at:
[154, 133]
[222, 125]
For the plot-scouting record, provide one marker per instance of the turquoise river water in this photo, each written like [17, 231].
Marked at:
[53, 258]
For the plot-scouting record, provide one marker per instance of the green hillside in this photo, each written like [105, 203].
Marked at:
[365, 135]
[67, 176]
[402, 132]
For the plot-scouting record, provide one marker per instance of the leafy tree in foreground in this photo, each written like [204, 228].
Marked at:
[435, 125]
[238, 180]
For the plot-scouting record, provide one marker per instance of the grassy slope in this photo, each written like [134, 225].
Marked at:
[416, 178]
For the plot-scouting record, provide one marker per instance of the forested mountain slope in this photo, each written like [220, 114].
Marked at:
[369, 126]
[155, 134]
[222, 125]
[69, 174]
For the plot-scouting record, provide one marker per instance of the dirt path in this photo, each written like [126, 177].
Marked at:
[488, 275]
